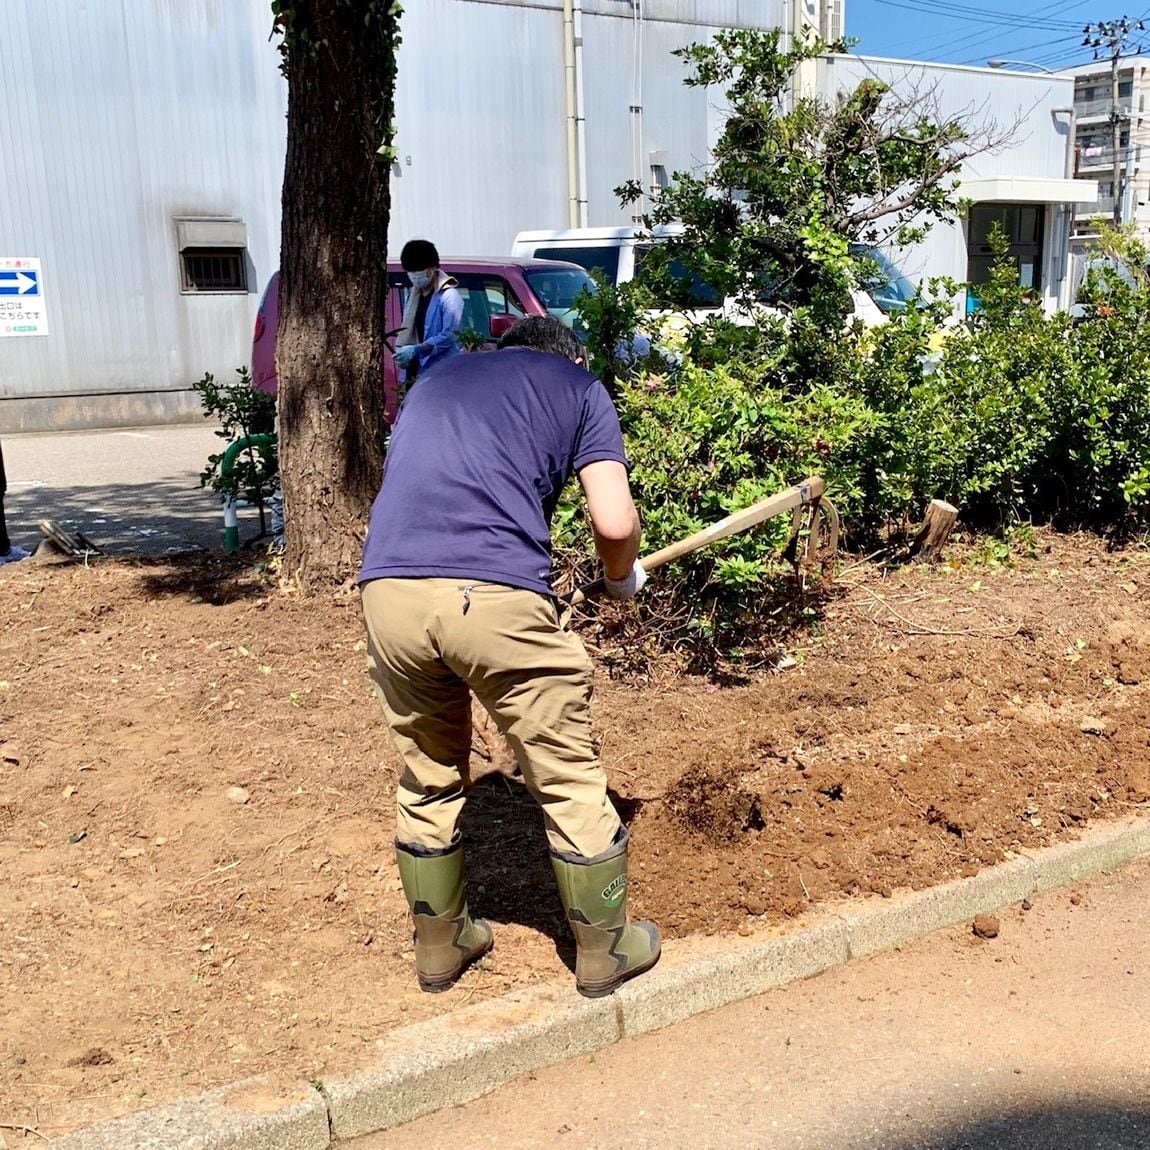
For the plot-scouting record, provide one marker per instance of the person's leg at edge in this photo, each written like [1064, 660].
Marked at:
[428, 711]
[535, 678]
[9, 553]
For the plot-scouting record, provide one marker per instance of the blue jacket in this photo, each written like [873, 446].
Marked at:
[440, 326]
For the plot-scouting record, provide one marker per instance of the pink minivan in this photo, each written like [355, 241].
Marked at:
[496, 293]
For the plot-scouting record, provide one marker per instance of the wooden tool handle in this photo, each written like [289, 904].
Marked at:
[805, 493]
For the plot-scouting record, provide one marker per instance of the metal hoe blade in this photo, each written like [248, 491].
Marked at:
[814, 540]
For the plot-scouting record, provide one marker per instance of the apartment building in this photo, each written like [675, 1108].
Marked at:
[1127, 199]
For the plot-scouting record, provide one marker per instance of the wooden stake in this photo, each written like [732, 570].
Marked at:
[937, 524]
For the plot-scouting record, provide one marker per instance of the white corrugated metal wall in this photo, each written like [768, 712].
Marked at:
[482, 118]
[116, 116]
[480, 124]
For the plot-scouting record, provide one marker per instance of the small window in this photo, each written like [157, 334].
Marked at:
[1125, 89]
[218, 270]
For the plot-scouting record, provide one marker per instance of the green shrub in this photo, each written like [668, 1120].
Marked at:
[1016, 416]
[242, 411]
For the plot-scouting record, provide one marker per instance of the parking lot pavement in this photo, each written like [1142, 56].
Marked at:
[130, 490]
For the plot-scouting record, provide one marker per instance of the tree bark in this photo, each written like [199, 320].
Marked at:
[339, 58]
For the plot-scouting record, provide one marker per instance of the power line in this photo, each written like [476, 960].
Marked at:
[949, 45]
[995, 43]
[977, 15]
[1022, 48]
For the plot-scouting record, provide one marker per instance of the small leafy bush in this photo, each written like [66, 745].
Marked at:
[242, 411]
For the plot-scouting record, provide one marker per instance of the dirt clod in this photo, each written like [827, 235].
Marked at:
[94, 1056]
[1091, 725]
[985, 926]
[712, 805]
[1136, 778]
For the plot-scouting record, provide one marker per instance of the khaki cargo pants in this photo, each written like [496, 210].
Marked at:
[430, 643]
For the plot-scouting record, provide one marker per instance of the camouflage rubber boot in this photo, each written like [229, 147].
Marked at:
[594, 894]
[447, 938]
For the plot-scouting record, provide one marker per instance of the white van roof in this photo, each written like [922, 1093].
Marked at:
[584, 235]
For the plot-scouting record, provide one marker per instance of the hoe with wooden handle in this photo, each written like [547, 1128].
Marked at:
[805, 501]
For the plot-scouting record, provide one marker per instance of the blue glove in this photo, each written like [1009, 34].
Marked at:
[404, 355]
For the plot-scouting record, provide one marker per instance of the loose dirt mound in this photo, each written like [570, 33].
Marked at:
[712, 805]
[192, 934]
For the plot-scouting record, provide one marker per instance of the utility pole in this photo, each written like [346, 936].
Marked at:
[1115, 131]
[1112, 36]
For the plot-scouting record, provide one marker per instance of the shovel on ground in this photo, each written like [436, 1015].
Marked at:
[811, 547]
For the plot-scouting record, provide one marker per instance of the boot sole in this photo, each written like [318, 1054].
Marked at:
[442, 982]
[602, 989]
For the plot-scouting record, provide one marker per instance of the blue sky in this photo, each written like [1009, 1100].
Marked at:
[974, 31]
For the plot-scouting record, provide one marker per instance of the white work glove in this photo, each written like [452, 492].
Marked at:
[627, 587]
[404, 355]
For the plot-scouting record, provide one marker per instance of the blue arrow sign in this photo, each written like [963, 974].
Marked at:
[19, 283]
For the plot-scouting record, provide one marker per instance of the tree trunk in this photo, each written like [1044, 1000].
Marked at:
[339, 58]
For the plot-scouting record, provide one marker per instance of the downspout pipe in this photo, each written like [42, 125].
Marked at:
[572, 113]
[580, 114]
[1064, 286]
[639, 171]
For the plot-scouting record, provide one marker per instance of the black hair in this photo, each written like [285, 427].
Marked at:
[544, 333]
[418, 256]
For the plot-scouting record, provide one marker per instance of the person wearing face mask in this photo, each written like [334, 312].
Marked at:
[433, 315]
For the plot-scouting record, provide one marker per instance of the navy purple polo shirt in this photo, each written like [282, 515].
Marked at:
[479, 455]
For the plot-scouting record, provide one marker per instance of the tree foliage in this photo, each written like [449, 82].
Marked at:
[1014, 415]
[795, 179]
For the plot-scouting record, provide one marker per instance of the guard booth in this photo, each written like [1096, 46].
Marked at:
[1036, 217]
[1024, 228]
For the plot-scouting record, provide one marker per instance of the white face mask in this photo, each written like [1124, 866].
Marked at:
[419, 280]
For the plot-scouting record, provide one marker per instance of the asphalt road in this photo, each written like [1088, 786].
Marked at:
[1036, 1040]
[129, 491]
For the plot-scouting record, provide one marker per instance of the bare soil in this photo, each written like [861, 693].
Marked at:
[162, 931]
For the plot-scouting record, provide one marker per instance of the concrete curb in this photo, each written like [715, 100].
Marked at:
[263, 1113]
[891, 922]
[1103, 849]
[699, 976]
[457, 1057]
